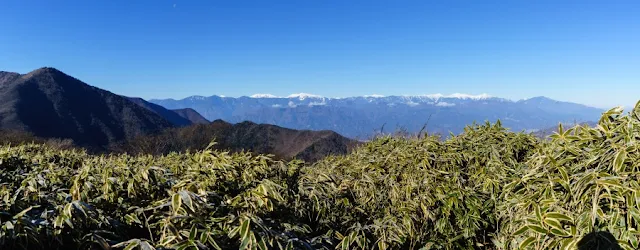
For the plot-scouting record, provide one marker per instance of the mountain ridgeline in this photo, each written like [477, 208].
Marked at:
[48, 104]
[51, 104]
[193, 116]
[364, 116]
[282, 143]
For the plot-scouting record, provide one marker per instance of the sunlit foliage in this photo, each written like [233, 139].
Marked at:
[487, 188]
[585, 180]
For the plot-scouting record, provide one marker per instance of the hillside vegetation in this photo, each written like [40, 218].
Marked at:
[486, 188]
[281, 143]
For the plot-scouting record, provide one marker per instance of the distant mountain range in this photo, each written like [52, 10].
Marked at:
[47, 103]
[363, 116]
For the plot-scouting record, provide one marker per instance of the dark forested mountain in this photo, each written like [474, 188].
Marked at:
[6, 77]
[50, 104]
[248, 136]
[360, 117]
[191, 115]
[283, 142]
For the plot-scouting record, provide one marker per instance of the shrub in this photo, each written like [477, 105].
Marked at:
[54, 199]
[397, 193]
[486, 188]
[585, 180]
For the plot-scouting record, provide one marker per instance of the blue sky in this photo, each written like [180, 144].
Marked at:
[581, 51]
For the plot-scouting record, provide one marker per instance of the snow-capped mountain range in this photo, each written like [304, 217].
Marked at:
[362, 116]
[303, 96]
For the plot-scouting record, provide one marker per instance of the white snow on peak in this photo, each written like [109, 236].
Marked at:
[467, 96]
[374, 96]
[454, 95]
[263, 96]
[434, 96]
[437, 96]
[303, 96]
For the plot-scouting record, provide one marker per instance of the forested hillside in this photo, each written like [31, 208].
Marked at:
[51, 104]
[486, 188]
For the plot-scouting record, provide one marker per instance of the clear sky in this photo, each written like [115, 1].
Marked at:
[581, 51]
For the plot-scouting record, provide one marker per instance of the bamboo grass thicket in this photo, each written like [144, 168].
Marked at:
[487, 188]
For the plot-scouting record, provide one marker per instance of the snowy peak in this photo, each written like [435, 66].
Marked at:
[303, 96]
[358, 116]
[374, 96]
[263, 96]
[467, 96]
[458, 96]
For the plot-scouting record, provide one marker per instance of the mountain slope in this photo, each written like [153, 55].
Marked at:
[193, 116]
[6, 77]
[170, 115]
[363, 116]
[282, 142]
[245, 136]
[51, 104]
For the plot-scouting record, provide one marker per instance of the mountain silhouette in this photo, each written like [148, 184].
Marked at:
[51, 104]
[191, 115]
[170, 115]
[281, 142]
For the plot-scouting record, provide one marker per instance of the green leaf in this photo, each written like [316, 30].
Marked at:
[618, 162]
[186, 199]
[132, 245]
[563, 173]
[567, 243]
[559, 232]
[176, 202]
[526, 242]
[554, 223]
[244, 233]
[556, 215]
[193, 233]
[522, 230]
[262, 245]
[538, 229]
[23, 212]
[344, 244]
